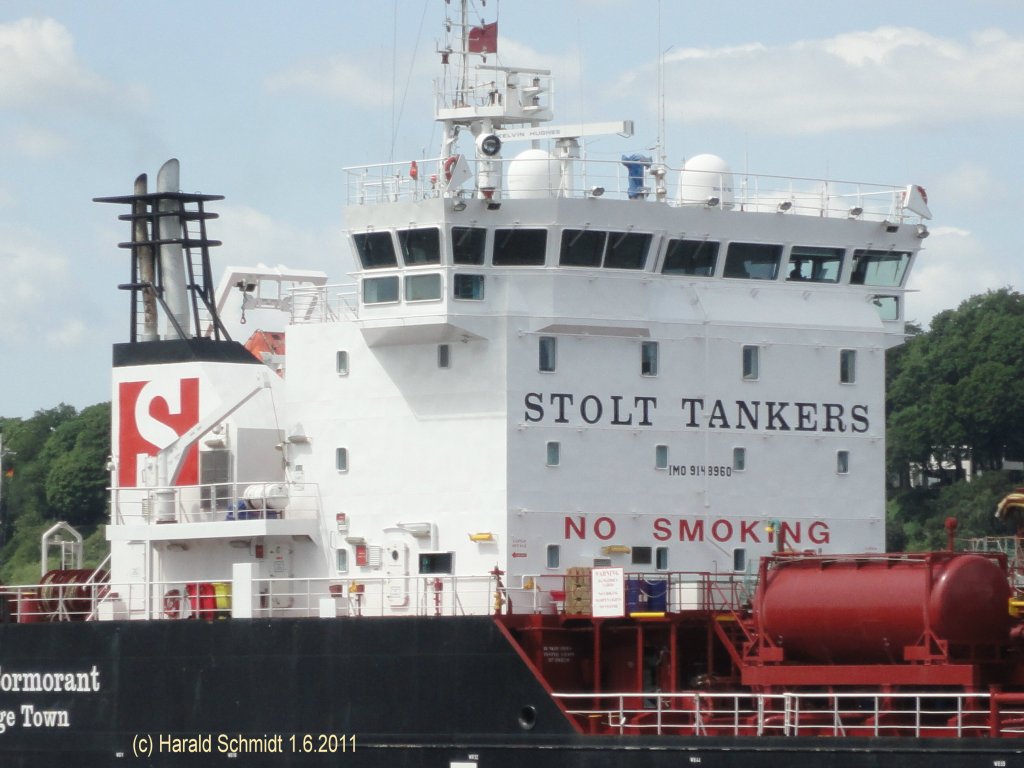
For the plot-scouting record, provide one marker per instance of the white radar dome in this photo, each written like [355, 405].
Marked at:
[705, 177]
[532, 174]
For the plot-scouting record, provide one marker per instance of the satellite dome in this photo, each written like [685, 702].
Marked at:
[532, 174]
[704, 177]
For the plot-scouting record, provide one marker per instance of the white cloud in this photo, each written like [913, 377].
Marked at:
[891, 76]
[954, 266]
[35, 282]
[351, 80]
[39, 68]
[969, 184]
[39, 142]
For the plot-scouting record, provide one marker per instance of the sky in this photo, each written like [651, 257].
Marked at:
[266, 102]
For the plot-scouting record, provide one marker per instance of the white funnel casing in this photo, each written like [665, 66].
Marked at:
[172, 265]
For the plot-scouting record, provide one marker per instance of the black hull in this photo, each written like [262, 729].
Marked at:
[406, 693]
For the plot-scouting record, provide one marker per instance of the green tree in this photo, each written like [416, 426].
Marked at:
[956, 395]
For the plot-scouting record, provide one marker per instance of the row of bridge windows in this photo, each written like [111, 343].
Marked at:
[591, 248]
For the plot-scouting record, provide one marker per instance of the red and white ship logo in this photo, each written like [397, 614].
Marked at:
[152, 415]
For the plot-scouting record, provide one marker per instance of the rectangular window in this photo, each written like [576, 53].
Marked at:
[752, 261]
[341, 362]
[341, 459]
[468, 245]
[554, 555]
[739, 459]
[582, 248]
[696, 258]
[627, 250]
[469, 287]
[546, 353]
[376, 250]
[554, 451]
[380, 290]
[842, 462]
[751, 363]
[341, 561]
[519, 247]
[847, 366]
[420, 246]
[422, 287]
[809, 263]
[739, 559]
[602, 562]
[661, 558]
[648, 358]
[436, 562]
[661, 457]
[879, 267]
[888, 307]
[444, 356]
[641, 556]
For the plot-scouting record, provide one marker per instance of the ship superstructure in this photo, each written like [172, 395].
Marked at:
[545, 363]
[610, 427]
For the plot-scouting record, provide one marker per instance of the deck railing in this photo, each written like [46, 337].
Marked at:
[427, 179]
[216, 502]
[932, 714]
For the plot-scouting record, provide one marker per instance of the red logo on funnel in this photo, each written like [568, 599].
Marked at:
[152, 415]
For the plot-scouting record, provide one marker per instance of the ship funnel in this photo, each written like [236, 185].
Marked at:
[146, 260]
[172, 265]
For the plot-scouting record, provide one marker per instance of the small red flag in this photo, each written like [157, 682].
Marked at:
[483, 39]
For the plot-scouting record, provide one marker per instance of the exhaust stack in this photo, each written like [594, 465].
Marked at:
[147, 263]
[172, 265]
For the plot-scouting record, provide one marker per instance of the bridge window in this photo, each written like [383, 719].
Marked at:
[627, 250]
[380, 290]
[813, 264]
[468, 287]
[519, 247]
[376, 250]
[888, 307]
[879, 267]
[468, 245]
[341, 362]
[696, 258]
[341, 561]
[420, 246]
[341, 459]
[753, 261]
[444, 356]
[582, 248]
[422, 287]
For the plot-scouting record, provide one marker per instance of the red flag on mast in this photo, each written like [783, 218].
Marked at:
[483, 39]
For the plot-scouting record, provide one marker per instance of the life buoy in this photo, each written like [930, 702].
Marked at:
[449, 164]
[172, 604]
[414, 171]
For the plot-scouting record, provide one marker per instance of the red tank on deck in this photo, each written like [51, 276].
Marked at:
[884, 609]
